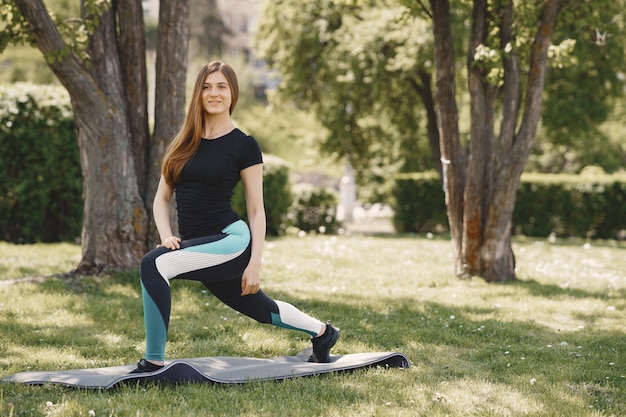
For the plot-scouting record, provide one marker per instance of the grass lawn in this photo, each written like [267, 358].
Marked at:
[551, 344]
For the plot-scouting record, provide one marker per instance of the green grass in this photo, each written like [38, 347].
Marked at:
[551, 344]
[18, 261]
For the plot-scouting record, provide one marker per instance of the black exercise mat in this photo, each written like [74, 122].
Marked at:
[220, 370]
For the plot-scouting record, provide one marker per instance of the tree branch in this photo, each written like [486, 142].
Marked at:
[510, 97]
[425, 9]
[44, 30]
[67, 66]
[536, 81]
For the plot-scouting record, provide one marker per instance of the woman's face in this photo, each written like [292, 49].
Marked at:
[216, 95]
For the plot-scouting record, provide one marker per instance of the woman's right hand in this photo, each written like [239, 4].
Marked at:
[171, 242]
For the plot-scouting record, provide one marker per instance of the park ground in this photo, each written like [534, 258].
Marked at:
[551, 343]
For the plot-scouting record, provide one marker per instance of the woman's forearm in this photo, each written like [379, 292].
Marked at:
[161, 209]
[161, 213]
[257, 225]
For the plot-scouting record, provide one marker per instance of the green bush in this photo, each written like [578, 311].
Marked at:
[418, 203]
[590, 206]
[276, 195]
[566, 205]
[314, 209]
[40, 172]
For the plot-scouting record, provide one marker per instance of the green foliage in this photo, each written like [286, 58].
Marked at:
[285, 131]
[14, 28]
[40, 175]
[589, 84]
[314, 209]
[550, 344]
[20, 59]
[418, 203]
[357, 66]
[207, 30]
[276, 195]
[603, 147]
[75, 31]
[25, 64]
[591, 206]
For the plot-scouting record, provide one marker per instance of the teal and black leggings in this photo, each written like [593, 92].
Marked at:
[218, 261]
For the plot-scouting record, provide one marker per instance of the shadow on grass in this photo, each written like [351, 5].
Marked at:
[551, 290]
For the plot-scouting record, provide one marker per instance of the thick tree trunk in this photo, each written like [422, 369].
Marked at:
[481, 200]
[497, 255]
[109, 100]
[479, 144]
[115, 223]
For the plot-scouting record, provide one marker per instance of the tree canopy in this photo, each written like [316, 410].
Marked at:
[584, 86]
[366, 69]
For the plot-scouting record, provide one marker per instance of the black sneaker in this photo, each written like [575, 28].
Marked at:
[145, 366]
[323, 343]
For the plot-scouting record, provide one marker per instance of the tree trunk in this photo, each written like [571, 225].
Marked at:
[171, 73]
[114, 224]
[497, 255]
[481, 199]
[452, 162]
[423, 86]
[132, 47]
[109, 102]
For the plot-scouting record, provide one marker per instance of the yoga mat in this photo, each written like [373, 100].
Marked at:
[216, 370]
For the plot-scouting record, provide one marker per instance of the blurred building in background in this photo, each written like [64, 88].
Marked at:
[224, 30]
[240, 18]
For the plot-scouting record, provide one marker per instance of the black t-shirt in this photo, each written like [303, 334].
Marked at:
[205, 188]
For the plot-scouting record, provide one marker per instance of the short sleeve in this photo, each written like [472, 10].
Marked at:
[251, 153]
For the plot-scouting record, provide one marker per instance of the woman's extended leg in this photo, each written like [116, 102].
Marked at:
[279, 313]
[263, 309]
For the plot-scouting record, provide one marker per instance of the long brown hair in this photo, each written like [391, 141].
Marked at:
[187, 140]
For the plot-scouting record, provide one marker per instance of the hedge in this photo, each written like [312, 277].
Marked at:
[571, 205]
[40, 174]
[418, 203]
[592, 206]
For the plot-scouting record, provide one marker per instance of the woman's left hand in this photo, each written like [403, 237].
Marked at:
[251, 280]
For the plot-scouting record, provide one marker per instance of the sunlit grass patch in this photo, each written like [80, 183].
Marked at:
[17, 261]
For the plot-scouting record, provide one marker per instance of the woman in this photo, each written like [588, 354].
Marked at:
[204, 162]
